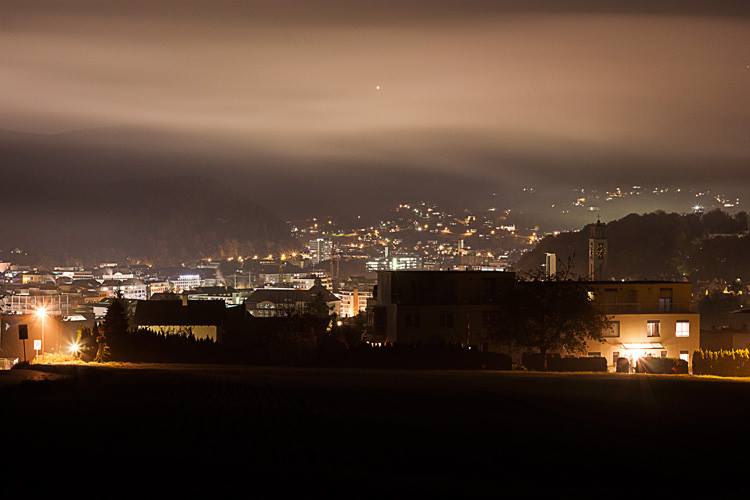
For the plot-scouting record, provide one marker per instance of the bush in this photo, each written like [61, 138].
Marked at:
[571, 364]
[725, 363]
[670, 366]
[429, 357]
[533, 361]
[555, 363]
[623, 365]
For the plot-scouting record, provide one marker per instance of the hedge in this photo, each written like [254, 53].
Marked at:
[661, 365]
[555, 363]
[726, 363]
[404, 356]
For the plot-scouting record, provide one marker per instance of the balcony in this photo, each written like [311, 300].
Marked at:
[639, 308]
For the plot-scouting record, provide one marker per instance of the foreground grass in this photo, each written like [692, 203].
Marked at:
[447, 428]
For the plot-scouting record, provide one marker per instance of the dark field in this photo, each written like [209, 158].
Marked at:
[455, 432]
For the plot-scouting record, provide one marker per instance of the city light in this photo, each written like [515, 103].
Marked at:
[41, 312]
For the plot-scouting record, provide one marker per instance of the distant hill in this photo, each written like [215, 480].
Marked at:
[658, 245]
[63, 200]
[164, 220]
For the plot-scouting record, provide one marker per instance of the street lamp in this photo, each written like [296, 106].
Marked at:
[41, 313]
[74, 348]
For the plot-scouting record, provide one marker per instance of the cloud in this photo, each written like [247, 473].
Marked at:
[469, 90]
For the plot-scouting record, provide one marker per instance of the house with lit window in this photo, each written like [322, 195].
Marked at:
[648, 318]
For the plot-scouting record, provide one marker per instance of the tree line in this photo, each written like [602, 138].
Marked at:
[659, 245]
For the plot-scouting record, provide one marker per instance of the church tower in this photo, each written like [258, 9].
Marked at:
[597, 251]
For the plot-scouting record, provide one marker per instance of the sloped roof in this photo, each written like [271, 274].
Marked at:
[174, 313]
[281, 295]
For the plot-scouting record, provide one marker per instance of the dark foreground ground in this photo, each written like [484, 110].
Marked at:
[459, 433]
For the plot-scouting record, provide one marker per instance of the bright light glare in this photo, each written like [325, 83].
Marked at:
[41, 312]
[74, 348]
[339, 323]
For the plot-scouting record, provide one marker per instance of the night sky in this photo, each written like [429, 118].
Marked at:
[335, 104]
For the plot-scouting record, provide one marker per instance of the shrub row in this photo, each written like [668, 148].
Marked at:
[726, 363]
[671, 366]
[556, 363]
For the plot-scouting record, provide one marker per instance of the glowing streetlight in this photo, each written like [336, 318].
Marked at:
[41, 313]
[74, 348]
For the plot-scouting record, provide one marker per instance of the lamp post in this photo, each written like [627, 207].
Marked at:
[41, 313]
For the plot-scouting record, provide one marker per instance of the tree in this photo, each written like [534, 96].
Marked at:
[551, 315]
[318, 306]
[116, 319]
[102, 351]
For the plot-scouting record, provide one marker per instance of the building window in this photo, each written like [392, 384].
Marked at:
[685, 356]
[665, 300]
[613, 330]
[652, 328]
[664, 354]
[682, 329]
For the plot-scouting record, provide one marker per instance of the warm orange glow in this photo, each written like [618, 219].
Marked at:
[41, 312]
[74, 348]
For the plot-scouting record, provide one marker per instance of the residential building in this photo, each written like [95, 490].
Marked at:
[158, 287]
[282, 302]
[352, 302]
[202, 318]
[395, 263]
[133, 289]
[437, 306]
[734, 334]
[186, 282]
[228, 295]
[649, 318]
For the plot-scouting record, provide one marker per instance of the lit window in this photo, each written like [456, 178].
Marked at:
[652, 328]
[682, 329]
[685, 356]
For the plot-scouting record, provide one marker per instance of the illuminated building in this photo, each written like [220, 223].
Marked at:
[395, 263]
[320, 250]
[133, 289]
[352, 302]
[186, 282]
[550, 265]
[649, 318]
